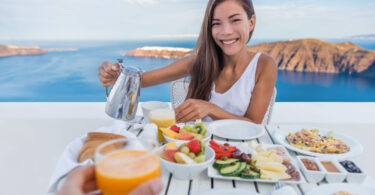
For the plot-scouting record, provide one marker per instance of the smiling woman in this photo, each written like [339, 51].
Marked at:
[227, 81]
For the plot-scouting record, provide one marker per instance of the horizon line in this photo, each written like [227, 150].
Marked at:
[357, 37]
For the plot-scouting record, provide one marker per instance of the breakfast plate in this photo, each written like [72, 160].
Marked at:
[244, 147]
[337, 187]
[281, 133]
[236, 129]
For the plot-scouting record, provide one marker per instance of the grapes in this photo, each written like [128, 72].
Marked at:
[191, 155]
[187, 128]
[199, 158]
[184, 150]
[236, 154]
[246, 158]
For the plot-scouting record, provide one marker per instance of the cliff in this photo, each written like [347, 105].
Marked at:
[160, 52]
[313, 55]
[310, 55]
[11, 50]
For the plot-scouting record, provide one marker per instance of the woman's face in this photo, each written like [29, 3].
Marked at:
[231, 27]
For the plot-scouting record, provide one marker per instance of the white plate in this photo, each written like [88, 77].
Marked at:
[280, 136]
[236, 129]
[329, 189]
[226, 192]
[212, 172]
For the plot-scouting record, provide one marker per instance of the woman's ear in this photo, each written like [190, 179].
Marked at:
[252, 22]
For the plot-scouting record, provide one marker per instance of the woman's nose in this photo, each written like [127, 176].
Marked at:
[227, 29]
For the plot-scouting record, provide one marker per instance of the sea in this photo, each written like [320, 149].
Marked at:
[71, 76]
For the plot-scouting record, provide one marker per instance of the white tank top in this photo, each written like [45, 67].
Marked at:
[236, 99]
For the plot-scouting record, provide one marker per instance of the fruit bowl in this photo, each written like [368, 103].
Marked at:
[188, 171]
[185, 137]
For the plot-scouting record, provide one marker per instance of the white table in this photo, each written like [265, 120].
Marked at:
[203, 182]
[33, 135]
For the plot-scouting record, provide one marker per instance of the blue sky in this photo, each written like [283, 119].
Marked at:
[134, 19]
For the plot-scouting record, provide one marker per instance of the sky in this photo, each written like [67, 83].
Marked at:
[156, 19]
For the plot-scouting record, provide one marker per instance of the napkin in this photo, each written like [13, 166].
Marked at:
[68, 159]
[286, 190]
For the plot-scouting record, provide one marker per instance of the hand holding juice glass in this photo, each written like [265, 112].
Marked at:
[163, 118]
[123, 164]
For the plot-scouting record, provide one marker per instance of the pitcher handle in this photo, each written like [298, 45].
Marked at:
[106, 92]
[120, 61]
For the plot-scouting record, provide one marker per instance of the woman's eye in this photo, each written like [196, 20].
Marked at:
[215, 24]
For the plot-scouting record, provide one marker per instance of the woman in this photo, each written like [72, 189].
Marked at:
[227, 80]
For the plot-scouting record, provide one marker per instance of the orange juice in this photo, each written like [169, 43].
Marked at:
[163, 118]
[120, 172]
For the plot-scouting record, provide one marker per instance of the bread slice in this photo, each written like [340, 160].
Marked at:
[93, 140]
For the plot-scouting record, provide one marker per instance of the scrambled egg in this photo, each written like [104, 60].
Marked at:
[310, 140]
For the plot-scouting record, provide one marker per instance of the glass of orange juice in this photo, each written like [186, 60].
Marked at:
[163, 118]
[123, 164]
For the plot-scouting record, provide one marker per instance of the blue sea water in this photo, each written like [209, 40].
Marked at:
[72, 76]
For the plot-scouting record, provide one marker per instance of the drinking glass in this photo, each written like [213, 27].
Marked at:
[163, 118]
[147, 107]
[123, 164]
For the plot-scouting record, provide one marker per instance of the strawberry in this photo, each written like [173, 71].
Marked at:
[194, 146]
[175, 128]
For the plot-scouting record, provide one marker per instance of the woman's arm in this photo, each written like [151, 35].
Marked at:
[266, 76]
[263, 89]
[171, 72]
[108, 72]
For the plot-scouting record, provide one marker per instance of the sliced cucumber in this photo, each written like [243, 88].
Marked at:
[224, 163]
[230, 170]
[237, 172]
[249, 174]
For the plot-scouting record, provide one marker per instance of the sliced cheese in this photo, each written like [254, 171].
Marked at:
[271, 166]
[269, 175]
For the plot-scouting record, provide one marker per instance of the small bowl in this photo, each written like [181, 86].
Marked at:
[333, 177]
[355, 177]
[187, 171]
[206, 138]
[311, 176]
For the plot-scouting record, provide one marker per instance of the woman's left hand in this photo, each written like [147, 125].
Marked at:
[192, 109]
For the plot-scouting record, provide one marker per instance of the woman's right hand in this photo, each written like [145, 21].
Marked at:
[108, 73]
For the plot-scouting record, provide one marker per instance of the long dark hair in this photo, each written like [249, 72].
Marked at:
[208, 62]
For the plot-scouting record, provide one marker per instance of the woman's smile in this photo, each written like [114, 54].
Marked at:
[229, 42]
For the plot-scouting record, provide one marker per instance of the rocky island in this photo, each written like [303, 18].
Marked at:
[309, 55]
[160, 52]
[13, 50]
